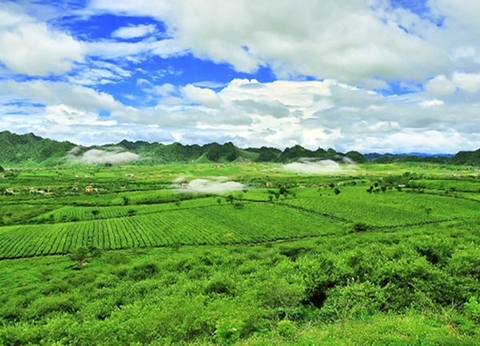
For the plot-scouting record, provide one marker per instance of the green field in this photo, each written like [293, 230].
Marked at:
[382, 254]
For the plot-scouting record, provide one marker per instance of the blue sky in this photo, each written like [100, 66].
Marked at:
[366, 75]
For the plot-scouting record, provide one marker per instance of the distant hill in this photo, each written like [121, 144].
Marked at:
[467, 158]
[29, 149]
[410, 157]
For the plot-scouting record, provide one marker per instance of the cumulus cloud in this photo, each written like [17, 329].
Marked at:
[355, 41]
[440, 86]
[203, 96]
[470, 82]
[34, 48]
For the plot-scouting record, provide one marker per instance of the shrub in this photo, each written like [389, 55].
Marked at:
[360, 227]
[143, 271]
[219, 285]
[355, 299]
[286, 329]
[472, 309]
[228, 331]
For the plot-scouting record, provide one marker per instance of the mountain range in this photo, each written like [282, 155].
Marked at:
[29, 149]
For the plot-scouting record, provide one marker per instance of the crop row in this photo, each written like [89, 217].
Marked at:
[81, 213]
[216, 224]
[386, 209]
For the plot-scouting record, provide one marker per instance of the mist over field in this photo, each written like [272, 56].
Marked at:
[319, 167]
[113, 156]
[209, 186]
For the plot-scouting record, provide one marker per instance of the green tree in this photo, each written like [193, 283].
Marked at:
[229, 198]
[428, 211]
[80, 256]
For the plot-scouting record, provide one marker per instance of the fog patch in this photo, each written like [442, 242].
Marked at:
[74, 151]
[209, 186]
[348, 160]
[97, 156]
[318, 167]
[178, 180]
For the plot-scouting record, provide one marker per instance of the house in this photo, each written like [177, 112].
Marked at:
[89, 189]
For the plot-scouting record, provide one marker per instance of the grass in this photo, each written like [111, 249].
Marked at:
[289, 271]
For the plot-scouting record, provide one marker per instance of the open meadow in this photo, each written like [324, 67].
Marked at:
[240, 253]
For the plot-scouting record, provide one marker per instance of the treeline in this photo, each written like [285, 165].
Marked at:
[31, 149]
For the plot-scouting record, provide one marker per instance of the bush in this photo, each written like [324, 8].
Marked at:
[143, 271]
[354, 300]
[228, 331]
[472, 309]
[360, 227]
[220, 285]
[286, 329]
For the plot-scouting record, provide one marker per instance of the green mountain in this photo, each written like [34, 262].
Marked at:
[467, 158]
[29, 149]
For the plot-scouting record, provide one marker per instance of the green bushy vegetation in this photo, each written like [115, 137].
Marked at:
[285, 261]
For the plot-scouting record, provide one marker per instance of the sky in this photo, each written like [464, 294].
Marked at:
[395, 76]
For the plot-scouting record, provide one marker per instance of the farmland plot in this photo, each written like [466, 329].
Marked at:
[213, 225]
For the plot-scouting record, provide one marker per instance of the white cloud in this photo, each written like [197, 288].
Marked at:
[34, 48]
[319, 167]
[208, 186]
[68, 116]
[351, 47]
[352, 41]
[203, 96]
[470, 82]
[431, 103]
[134, 31]
[96, 156]
[98, 72]
[51, 93]
[440, 86]
[249, 113]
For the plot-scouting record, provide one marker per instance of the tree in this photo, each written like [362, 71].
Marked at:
[229, 198]
[428, 211]
[80, 256]
[95, 213]
[2, 169]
